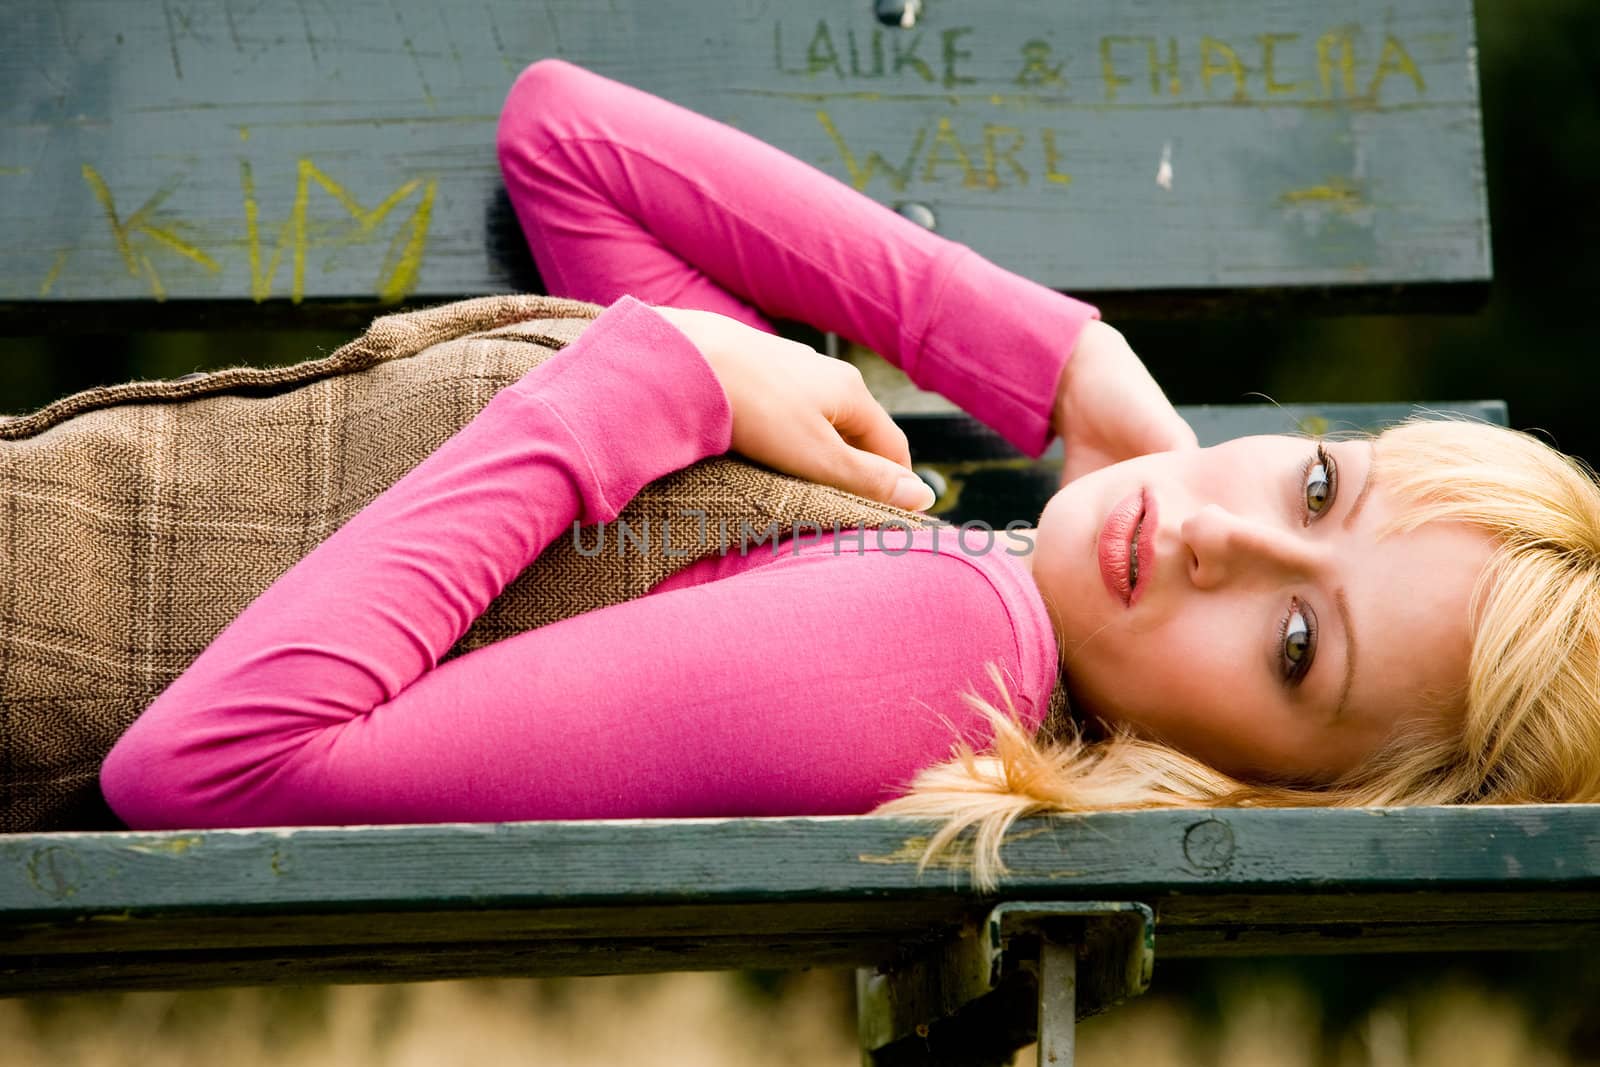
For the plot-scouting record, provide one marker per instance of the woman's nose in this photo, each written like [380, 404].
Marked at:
[1225, 547]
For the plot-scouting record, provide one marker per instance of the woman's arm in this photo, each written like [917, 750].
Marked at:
[620, 191]
[780, 690]
[376, 605]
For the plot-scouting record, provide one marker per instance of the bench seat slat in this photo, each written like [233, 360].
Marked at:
[408, 902]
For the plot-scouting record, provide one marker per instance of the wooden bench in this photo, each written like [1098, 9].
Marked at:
[198, 163]
[947, 976]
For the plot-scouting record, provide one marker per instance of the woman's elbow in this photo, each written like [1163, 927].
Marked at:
[542, 103]
[134, 780]
[157, 776]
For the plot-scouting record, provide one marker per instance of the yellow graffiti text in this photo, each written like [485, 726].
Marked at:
[150, 238]
[985, 155]
[135, 235]
[1273, 66]
[301, 232]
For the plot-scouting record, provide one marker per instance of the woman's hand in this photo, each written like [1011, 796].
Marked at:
[803, 413]
[1108, 408]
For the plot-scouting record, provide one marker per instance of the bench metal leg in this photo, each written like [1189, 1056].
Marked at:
[1026, 973]
[1058, 1003]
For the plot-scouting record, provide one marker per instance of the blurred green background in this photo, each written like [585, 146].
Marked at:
[1531, 344]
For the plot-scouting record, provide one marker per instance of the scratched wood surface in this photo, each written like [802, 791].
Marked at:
[142, 910]
[293, 154]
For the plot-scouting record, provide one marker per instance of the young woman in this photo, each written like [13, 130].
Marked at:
[1273, 620]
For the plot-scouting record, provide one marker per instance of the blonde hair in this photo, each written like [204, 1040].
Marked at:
[1531, 731]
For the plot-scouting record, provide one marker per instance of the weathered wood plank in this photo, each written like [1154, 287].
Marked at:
[395, 903]
[203, 151]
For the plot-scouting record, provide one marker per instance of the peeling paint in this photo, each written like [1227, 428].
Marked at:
[1337, 193]
[171, 846]
[958, 856]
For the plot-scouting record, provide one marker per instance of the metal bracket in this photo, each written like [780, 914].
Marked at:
[1028, 972]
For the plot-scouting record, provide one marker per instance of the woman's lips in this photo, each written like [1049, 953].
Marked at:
[1116, 549]
[1127, 547]
[1144, 534]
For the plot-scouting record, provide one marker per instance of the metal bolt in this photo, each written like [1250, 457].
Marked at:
[921, 214]
[899, 13]
[933, 480]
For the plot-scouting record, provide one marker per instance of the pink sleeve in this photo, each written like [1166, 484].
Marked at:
[620, 191]
[808, 684]
[375, 606]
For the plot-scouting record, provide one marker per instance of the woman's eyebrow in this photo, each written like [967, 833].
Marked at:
[1366, 487]
[1349, 649]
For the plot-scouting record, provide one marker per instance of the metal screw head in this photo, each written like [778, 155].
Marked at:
[933, 480]
[898, 13]
[921, 214]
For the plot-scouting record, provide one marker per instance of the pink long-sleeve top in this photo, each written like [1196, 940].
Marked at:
[815, 679]
[771, 683]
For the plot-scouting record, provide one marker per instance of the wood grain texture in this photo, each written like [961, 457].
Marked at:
[208, 152]
[144, 910]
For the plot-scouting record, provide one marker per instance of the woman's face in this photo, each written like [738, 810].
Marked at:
[1237, 603]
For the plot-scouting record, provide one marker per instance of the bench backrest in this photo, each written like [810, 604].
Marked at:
[314, 158]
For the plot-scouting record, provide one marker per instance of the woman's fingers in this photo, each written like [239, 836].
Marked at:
[811, 447]
[856, 445]
[803, 413]
[868, 474]
[864, 423]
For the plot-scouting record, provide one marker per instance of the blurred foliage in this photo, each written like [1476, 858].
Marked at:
[697, 1020]
[1258, 1017]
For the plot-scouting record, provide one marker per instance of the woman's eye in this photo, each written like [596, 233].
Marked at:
[1298, 641]
[1321, 480]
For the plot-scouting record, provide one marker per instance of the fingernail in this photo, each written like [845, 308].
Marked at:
[912, 493]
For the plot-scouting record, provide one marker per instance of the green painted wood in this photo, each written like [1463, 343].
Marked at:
[213, 153]
[141, 910]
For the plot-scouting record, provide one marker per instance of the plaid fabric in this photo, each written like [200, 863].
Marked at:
[137, 520]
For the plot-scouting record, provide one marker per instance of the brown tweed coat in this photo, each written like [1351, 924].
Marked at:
[137, 520]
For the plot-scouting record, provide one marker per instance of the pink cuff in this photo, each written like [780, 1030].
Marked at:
[1002, 366]
[677, 416]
